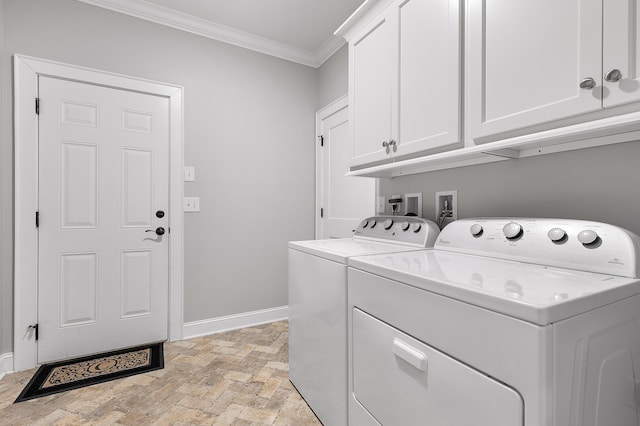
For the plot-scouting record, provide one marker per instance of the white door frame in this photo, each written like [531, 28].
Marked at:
[26, 72]
[325, 112]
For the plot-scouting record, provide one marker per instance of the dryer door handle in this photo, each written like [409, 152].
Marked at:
[410, 354]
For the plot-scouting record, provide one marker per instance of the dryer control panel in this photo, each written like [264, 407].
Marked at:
[574, 244]
[399, 229]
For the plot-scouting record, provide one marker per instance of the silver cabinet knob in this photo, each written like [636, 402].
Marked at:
[613, 75]
[385, 144]
[392, 143]
[588, 83]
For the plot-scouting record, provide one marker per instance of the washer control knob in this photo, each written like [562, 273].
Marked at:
[587, 237]
[416, 227]
[405, 226]
[372, 223]
[365, 223]
[512, 230]
[388, 224]
[556, 234]
[476, 230]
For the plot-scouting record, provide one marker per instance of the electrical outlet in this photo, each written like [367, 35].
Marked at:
[191, 204]
[189, 174]
[447, 200]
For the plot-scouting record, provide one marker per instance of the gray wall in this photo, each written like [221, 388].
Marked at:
[249, 131]
[6, 225]
[333, 80]
[601, 184]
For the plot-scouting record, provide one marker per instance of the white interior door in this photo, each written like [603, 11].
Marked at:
[103, 180]
[343, 200]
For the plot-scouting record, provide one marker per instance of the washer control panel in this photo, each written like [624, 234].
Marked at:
[575, 244]
[399, 229]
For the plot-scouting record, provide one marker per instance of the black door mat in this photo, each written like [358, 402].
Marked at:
[79, 372]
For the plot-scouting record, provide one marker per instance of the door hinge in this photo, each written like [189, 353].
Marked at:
[37, 105]
[35, 330]
[321, 212]
[321, 140]
[37, 219]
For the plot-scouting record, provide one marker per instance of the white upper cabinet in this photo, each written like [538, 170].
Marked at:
[535, 62]
[541, 76]
[404, 81]
[430, 74]
[371, 90]
[621, 52]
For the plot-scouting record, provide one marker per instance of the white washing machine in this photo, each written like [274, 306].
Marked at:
[318, 306]
[505, 322]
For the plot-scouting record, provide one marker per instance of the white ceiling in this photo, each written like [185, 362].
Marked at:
[297, 30]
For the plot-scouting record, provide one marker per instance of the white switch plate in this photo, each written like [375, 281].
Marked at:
[191, 204]
[189, 174]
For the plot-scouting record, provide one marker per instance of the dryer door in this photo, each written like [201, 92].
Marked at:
[399, 380]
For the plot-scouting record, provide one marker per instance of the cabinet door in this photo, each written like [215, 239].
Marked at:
[621, 51]
[429, 74]
[371, 89]
[526, 60]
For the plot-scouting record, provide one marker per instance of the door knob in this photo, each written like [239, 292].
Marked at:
[588, 83]
[159, 230]
[613, 76]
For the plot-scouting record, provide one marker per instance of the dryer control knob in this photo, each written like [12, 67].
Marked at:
[556, 234]
[476, 230]
[416, 227]
[512, 230]
[388, 224]
[405, 226]
[587, 237]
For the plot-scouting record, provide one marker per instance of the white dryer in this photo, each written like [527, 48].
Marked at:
[318, 305]
[505, 322]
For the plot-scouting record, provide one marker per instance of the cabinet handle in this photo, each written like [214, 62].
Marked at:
[613, 75]
[392, 143]
[588, 83]
[385, 144]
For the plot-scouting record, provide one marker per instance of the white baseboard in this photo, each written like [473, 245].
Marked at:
[233, 322]
[6, 364]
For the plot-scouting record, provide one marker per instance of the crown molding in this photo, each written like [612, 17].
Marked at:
[328, 48]
[181, 21]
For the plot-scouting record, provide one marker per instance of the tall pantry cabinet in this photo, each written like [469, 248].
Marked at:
[405, 81]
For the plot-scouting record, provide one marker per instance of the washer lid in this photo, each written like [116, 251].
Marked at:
[534, 293]
[339, 250]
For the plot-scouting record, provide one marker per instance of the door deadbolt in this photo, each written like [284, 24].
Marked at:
[160, 214]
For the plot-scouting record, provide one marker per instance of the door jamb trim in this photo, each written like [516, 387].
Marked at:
[26, 71]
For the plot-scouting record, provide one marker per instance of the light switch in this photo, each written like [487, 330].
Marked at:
[191, 204]
[189, 174]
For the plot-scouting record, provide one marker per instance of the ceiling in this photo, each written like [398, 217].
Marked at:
[296, 30]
